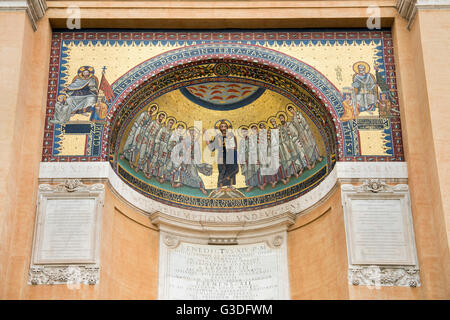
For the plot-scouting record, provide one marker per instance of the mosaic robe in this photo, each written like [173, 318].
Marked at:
[140, 141]
[306, 138]
[131, 142]
[268, 174]
[248, 159]
[300, 161]
[171, 169]
[62, 113]
[147, 146]
[190, 167]
[82, 94]
[160, 152]
[226, 158]
[288, 152]
[284, 168]
[365, 90]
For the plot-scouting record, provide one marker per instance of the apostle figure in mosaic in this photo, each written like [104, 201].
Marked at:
[226, 145]
[138, 126]
[192, 162]
[172, 168]
[306, 137]
[268, 173]
[161, 150]
[365, 87]
[289, 153]
[62, 110]
[285, 169]
[148, 144]
[248, 158]
[83, 91]
[300, 160]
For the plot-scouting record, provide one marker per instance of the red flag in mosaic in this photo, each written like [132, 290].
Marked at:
[106, 88]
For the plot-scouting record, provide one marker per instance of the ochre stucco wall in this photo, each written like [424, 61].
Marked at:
[317, 249]
[24, 57]
[317, 253]
[427, 180]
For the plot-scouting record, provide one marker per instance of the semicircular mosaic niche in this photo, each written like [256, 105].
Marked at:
[198, 137]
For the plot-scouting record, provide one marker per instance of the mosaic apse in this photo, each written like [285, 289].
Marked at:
[342, 83]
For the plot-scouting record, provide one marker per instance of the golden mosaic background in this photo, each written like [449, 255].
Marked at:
[335, 61]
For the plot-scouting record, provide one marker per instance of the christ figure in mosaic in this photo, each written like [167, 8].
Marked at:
[226, 145]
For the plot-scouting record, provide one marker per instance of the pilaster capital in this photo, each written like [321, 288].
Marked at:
[35, 8]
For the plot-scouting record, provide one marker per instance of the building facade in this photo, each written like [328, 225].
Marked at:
[227, 149]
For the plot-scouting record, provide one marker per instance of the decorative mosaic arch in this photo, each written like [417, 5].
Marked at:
[192, 65]
[311, 79]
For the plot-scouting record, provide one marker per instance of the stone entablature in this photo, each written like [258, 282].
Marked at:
[34, 8]
[351, 171]
[408, 8]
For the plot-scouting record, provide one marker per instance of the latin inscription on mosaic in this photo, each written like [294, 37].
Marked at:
[378, 232]
[224, 272]
[68, 230]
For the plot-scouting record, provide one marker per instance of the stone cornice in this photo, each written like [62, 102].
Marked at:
[408, 8]
[35, 8]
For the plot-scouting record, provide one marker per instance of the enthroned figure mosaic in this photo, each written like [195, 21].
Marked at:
[222, 120]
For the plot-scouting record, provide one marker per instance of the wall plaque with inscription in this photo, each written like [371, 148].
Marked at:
[380, 237]
[67, 231]
[226, 272]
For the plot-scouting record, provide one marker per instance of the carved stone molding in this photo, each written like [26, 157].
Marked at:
[222, 241]
[35, 8]
[170, 241]
[384, 276]
[374, 186]
[379, 234]
[75, 207]
[408, 8]
[276, 242]
[394, 171]
[69, 274]
[73, 186]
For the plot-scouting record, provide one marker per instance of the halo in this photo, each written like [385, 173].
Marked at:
[216, 125]
[282, 113]
[240, 130]
[251, 125]
[61, 95]
[88, 68]
[270, 118]
[262, 122]
[161, 112]
[171, 118]
[181, 123]
[291, 105]
[361, 63]
[153, 104]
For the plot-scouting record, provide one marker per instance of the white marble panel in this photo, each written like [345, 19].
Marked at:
[223, 272]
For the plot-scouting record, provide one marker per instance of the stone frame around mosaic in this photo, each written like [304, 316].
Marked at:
[222, 35]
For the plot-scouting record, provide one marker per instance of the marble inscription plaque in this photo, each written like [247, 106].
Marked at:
[68, 230]
[378, 232]
[211, 272]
